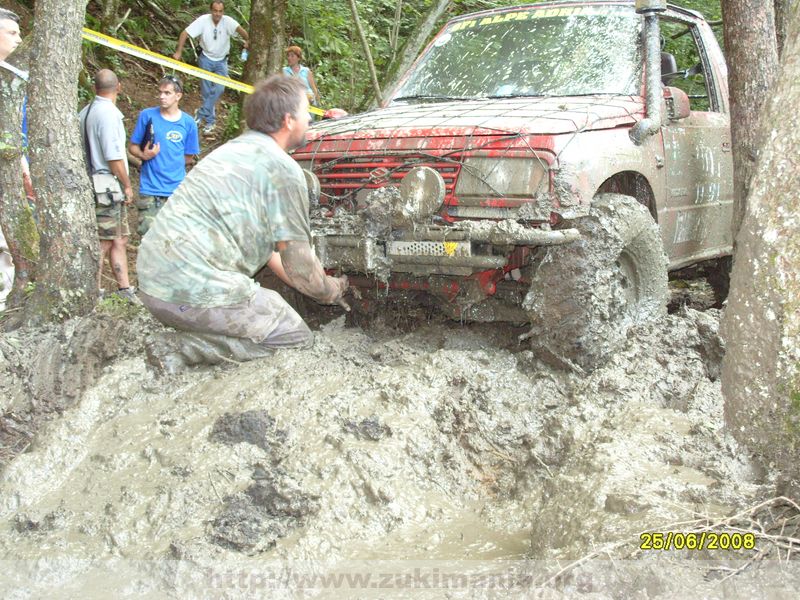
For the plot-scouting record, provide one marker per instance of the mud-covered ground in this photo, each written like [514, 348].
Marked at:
[445, 462]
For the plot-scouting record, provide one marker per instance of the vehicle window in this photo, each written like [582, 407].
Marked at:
[679, 40]
[555, 52]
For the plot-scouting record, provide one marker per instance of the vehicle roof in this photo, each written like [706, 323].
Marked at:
[553, 3]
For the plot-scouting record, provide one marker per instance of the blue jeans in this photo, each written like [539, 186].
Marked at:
[211, 92]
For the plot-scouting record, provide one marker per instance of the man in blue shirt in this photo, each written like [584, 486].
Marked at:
[165, 140]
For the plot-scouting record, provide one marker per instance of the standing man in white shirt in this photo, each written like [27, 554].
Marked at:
[103, 138]
[215, 31]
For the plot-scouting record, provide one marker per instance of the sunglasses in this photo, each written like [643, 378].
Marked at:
[175, 82]
[215, 34]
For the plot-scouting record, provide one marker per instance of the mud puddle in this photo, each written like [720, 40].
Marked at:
[444, 448]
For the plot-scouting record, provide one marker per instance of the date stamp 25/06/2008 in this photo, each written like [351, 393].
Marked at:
[703, 540]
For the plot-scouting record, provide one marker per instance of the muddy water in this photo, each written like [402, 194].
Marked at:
[445, 444]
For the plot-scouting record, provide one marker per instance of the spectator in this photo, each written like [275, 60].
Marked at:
[9, 40]
[103, 136]
[9, 36]
[243, 206]
[215, 31]
[165, 140]
[294, 55]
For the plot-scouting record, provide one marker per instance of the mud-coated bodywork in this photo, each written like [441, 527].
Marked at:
[456, 183]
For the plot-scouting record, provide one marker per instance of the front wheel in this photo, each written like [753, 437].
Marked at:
[585, 296]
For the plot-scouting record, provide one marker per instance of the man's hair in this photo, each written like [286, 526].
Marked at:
[213, 2]
[6, 14]
[177, 86]
[105, 81]
[273, 98]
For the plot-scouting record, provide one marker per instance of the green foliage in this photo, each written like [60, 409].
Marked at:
[119, 308]
[333, 51]
[233, 121]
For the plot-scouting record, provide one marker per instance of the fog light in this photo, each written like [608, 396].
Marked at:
[421, 194]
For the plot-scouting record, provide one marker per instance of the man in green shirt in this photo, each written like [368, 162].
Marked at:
[243, 206]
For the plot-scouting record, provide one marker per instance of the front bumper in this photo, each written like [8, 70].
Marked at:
[463, 248]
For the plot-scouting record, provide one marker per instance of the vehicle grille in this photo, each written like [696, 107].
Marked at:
[340, 178]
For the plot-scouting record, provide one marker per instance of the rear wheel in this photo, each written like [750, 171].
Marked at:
[585, 296]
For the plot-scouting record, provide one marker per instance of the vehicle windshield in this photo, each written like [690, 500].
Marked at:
[546, 52]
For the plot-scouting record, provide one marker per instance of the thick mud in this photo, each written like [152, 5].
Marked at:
[400, 457]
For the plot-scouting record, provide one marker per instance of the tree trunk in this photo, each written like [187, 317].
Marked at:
[108, 15]
[373, 74]
[267, 39]
[752, 54]
[761, 324]
[68, 249]
[16, 218]
[413, 46]
[783, 12]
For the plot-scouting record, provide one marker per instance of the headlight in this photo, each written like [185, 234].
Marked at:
[487, 177]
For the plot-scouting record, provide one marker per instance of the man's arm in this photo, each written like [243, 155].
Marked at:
[117, 167]
[276, 266]
[305, 273]
[181, 41]
[243, 34]
[150, 151]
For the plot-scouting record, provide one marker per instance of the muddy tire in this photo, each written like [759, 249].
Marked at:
[585, 296]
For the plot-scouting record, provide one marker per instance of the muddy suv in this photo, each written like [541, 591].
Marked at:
[543, 164]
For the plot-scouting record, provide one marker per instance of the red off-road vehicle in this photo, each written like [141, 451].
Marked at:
[545, 163]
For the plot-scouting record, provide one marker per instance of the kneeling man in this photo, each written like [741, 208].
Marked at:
[243, 206]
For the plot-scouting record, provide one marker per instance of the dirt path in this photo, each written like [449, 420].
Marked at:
[448, 449]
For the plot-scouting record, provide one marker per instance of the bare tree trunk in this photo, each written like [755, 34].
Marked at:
[16, 218]
[68, 250]
[783, 12]
[267, 27]
[373, 74]
[277, 37]
[108, 14]
[414, 45]
[752, 53]
[761, 324]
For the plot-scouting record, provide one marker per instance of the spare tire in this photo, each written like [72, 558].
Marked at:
[585, 296]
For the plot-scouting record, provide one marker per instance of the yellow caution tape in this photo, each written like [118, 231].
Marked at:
[166, 61]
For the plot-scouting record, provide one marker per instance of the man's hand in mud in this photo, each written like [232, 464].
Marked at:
[305, 273]
[342, 284]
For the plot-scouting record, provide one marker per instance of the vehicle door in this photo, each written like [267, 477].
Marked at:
[696, 215]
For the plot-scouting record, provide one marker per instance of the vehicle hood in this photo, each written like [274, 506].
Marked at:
[530, 116]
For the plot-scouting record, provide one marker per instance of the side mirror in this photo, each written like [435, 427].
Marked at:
[677, 102]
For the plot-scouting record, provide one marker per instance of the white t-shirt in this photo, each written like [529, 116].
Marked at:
[215, 47]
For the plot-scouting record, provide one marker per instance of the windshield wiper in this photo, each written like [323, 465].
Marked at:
[432, 98]
[520, 95]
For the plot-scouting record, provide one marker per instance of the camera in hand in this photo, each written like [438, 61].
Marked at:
[149, 136]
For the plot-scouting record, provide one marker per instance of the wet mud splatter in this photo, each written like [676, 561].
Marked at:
[444, 443]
